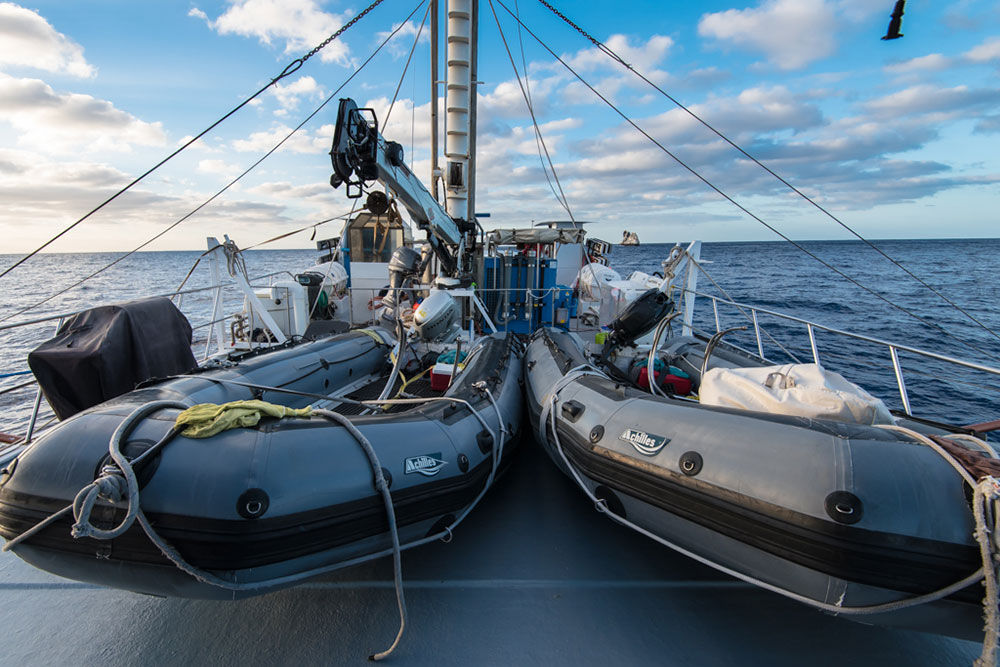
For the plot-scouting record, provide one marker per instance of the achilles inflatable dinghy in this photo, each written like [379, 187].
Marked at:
[251, 510]
[851, 518]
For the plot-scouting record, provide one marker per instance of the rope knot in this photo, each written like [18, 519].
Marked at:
[111, 486]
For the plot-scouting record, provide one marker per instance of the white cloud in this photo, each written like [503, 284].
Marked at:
[644, 56]
[300, 24]
[63, 122]
[861, 10]
[403, 40]
[933, 99]
[988, 51]
[218, 168]
[42, 195]
[286, 190]
[198, 14]
[300, 142]
[792, 33]
[28, 40]
[932, 62]
[288, 96]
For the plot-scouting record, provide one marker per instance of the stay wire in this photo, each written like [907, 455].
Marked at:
[531, 111]
[538, 136]
[291, 68]
[617, 58]
[226, 187]
[735, 203]
[406, 67]
[313, 226]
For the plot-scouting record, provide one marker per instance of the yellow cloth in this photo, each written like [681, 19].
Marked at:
[206, 419]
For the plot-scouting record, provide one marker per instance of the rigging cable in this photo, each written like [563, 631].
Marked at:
[313, 226]
[614, 56]
[735, 203]
[416, 40]
[227, 186]
[291, 68]
[561, 197]
[539, 141]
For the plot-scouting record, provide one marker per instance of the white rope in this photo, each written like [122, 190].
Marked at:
[383, 489]
[89, 495]
[986, 494]
[976, 442]
[923, 439]
[984, 502]
[548, 411]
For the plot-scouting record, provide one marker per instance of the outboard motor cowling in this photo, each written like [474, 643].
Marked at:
[437, 318]
[639, 317]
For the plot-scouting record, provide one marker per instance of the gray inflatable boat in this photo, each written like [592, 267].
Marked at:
[851, 519]
[255, 509]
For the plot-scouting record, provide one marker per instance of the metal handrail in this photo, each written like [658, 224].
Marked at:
[49, 318]
[894, 348]
[869, 339]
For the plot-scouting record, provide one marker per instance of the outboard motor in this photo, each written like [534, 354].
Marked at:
[404, 264]
[437, 318]
[639, 318]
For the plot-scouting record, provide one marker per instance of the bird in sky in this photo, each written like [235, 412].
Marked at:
[895, 22]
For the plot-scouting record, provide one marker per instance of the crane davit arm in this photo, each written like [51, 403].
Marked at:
[360, 155]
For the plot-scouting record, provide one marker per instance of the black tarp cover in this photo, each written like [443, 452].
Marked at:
[106, 351]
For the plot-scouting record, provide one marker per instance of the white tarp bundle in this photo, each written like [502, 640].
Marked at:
[591, 277]
[803, 390]
[595, 280]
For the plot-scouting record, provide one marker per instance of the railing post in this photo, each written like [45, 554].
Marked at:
[756, 330]
[690, 287]
[812, 344]
[216, 329]
[899, 379]
[38, 402]
[715, 310]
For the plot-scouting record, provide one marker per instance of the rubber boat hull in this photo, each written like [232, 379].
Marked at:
[756, 492]
[308, 482]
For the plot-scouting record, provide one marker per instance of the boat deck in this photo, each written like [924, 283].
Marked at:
[534, 576]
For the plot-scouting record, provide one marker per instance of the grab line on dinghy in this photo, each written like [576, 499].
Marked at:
[985, 491]
[127, 489]
[383, 489]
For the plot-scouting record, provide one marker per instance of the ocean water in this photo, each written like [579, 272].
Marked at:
[772, 275]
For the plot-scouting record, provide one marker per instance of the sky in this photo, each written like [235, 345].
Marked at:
[898, 139]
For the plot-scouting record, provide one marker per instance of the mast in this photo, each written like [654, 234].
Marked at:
[457, 108]
[473, 98]
[435, 169]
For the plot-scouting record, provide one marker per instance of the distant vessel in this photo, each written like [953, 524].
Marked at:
[630, 238]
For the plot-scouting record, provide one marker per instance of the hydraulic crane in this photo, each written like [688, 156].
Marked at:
[361, 155]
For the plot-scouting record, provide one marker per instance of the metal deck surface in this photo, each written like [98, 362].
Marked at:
[534, 576]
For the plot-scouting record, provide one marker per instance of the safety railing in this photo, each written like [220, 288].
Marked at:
[892, 349]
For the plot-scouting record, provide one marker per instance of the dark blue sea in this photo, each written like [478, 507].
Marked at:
[772, 275]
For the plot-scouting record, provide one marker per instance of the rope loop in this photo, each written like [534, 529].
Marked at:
[291, 68]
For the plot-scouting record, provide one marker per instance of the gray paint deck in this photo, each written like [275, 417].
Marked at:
[534, 576]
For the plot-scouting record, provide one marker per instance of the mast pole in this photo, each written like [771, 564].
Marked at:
[473, 98]
[435, 168]
[457, 116]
